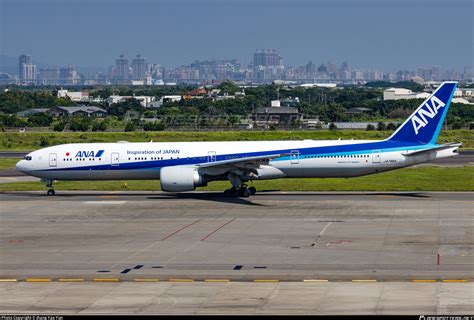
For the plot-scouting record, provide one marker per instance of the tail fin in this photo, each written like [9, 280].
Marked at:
[423, 126]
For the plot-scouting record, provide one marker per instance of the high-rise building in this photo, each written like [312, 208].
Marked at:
[27, 70]
[48, 76]
[68, 76]
[139, 68]
[267, 58]
[267, 65]
[122, 70]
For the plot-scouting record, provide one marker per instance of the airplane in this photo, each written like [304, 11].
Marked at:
[183, 166]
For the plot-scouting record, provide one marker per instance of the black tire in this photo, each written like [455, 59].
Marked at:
[228, 193]
[252, 190]
[51, 192]
[246, 193]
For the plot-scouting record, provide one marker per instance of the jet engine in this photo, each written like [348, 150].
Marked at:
[176, 179]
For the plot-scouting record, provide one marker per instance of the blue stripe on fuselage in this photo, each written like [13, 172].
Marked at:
[360, 148]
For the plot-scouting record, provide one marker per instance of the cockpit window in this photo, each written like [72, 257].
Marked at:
[27, 158]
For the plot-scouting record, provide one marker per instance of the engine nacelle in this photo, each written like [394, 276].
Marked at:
[175, 179]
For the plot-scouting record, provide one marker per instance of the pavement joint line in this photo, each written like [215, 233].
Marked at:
[364, 280]
[70, 280]
[106, 279]
[8, 280]
[424, 280]
[146, 280]
[216, 280]
[180, 280]
[38, 280]
[266, 280]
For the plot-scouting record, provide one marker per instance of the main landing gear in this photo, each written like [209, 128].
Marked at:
[241, 191]
[239, 188]
[49, 184]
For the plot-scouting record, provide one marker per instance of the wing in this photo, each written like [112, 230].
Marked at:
[246, 162]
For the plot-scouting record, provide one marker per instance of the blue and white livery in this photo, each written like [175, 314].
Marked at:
[183, 166]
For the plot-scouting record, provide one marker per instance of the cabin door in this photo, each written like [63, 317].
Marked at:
[115, 159]
[211, 156]
[376, 156]
[53, 160]
[295, 157]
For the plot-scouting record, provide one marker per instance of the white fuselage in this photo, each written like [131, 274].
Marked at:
[307, 158]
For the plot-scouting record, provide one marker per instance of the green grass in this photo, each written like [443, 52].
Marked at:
[410, 179]
[8, 163]
[32, 140]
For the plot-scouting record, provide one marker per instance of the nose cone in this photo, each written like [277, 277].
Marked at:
[22, 166]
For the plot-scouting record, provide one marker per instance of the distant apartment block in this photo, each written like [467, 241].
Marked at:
[267, 65]
[27, 70]
[139, 69]
[68, 76]
[48, 76]
[122, 70]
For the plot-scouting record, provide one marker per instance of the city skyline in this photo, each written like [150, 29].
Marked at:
[390, 36]
[267, 66]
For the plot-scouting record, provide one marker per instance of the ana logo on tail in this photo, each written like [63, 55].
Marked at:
[419, 119]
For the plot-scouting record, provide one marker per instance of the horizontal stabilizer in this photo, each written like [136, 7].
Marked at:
[437, 148]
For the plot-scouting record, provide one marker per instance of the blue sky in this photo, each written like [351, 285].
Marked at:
[384, 34]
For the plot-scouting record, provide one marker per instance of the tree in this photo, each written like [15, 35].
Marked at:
[130, 126]
[153, 126]
[228, 87]
[233, 119]
[391, 126]
[80, 123]
[381, 126]
[99, 126]
[370, 127]
[332, 126]
[40, 120]
[59, 126]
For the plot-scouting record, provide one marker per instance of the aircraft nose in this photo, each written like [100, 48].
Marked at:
[22, 166]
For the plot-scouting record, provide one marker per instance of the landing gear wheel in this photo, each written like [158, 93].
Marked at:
[237, 193]
[51, 192]
[252, 190]
[246, 193]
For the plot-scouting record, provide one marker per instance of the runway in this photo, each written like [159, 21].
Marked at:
[202, 253]
[275, 235]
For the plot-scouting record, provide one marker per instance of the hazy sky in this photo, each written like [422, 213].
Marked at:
[385, 34]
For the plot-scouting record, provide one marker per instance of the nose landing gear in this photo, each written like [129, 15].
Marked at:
[49, 184]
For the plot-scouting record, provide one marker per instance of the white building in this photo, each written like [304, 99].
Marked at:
[463, 92]
[321, 85]
[77, 96]
[144, 100]
[401, 93]
[170, 98]
[462, 100]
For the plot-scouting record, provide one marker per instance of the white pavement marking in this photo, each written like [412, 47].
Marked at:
[105, 202]
[322, 231]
